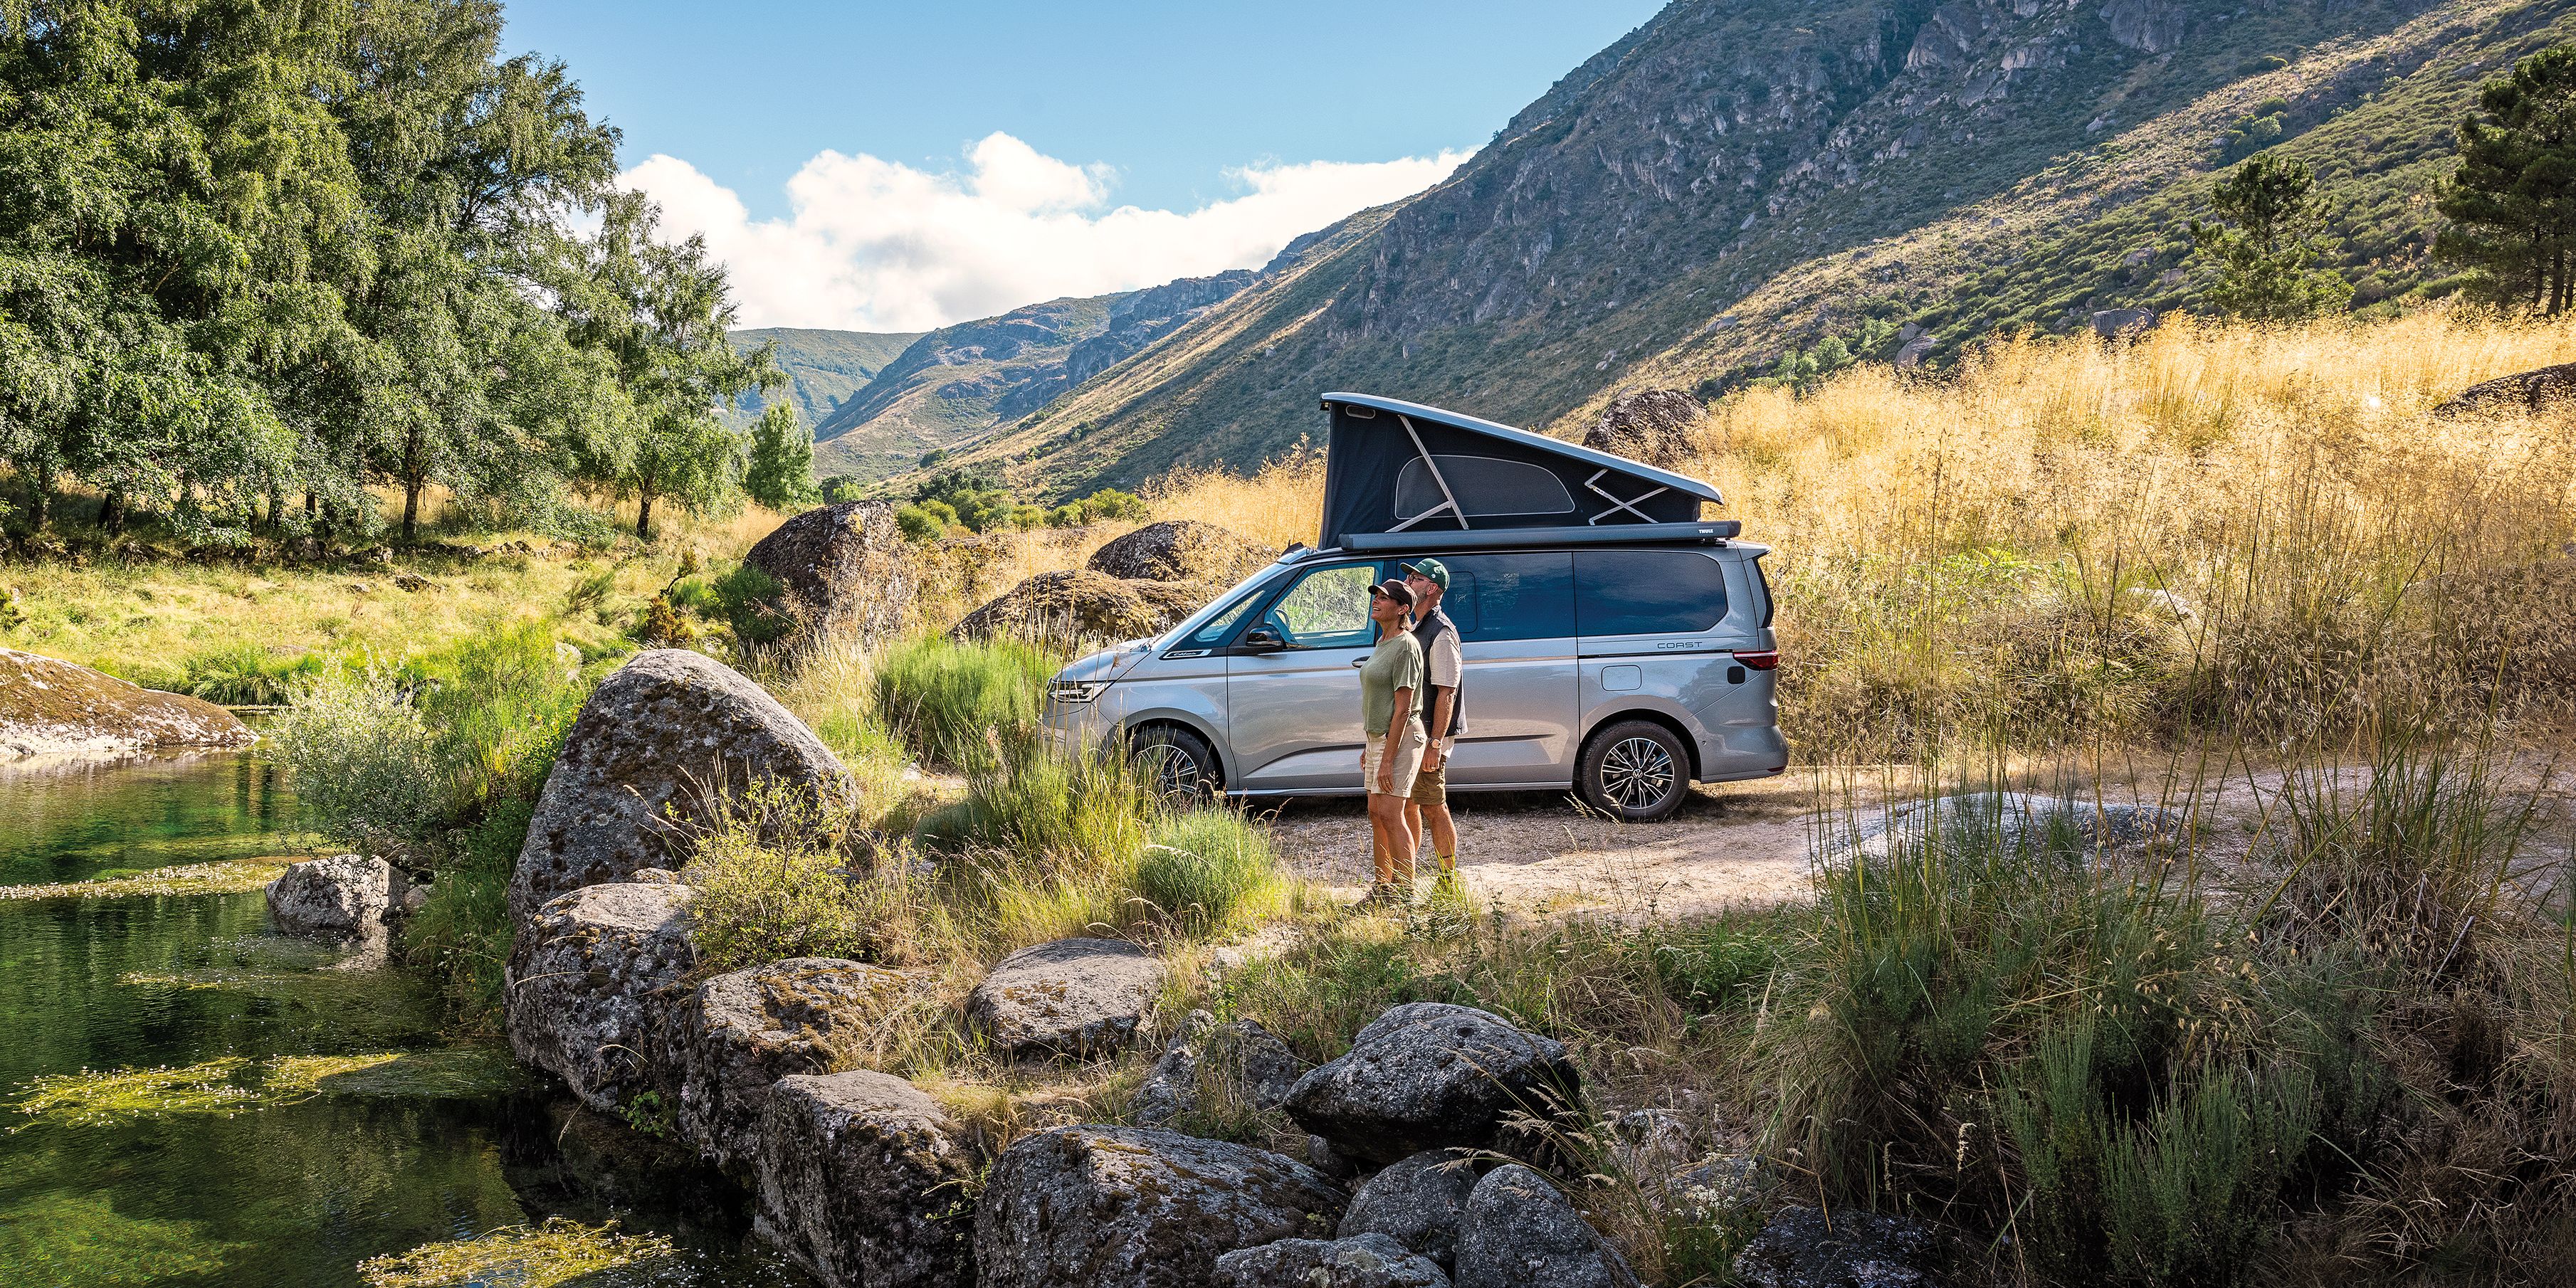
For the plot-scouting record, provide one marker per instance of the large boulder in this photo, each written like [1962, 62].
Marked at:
[55, 708]
[1368, 1261]
[2521, 391]
[1803, 1248]
[2022, 821]
[1095, 1206]
[1650, 425]
[654, 741]
[1519, 1231]
[1073, 997]
[862, 1178]
[1253, 1065]
[1428, 1075]
[1417, 1201]
[1082, 605]
[591, 982]
[843, 568]
[738, 1033]
[1179, 550]
[343, 897]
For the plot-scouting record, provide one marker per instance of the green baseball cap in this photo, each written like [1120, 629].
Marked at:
[1430, 570]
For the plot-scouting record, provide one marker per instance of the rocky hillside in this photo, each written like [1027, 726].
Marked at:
[1735, 179]
[823, 367]
[954, 383]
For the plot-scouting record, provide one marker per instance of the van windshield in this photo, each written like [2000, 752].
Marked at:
[1212, 630]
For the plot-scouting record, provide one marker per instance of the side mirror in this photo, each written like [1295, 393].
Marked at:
[1263, 638]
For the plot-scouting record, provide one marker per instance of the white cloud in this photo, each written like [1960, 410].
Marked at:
[874, 245]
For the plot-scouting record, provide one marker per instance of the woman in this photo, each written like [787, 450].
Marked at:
[1391, 722]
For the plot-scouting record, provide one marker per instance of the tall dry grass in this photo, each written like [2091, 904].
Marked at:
[2074, 539]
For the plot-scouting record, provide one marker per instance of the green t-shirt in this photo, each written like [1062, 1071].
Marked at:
[1397, 664]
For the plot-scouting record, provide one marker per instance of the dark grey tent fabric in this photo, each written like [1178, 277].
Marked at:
[1393, 466]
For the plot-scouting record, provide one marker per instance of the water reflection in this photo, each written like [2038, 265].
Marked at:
[401, 1137]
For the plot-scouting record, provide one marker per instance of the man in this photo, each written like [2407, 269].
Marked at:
[1443, 668]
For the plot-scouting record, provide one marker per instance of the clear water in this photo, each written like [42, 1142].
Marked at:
[253, 1185]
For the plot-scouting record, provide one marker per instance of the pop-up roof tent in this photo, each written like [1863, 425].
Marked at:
[1401, 476]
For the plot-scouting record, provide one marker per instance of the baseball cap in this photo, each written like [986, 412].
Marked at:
[1395, 590]
[1430, 570]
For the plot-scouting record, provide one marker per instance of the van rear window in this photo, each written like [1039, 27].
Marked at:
[1647, 592]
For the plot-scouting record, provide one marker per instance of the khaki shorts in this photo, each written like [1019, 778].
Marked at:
[1409, 746]
[1431, 786]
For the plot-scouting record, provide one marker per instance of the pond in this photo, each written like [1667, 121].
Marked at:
[190, 1100]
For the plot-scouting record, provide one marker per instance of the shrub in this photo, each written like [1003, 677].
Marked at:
[245, 674]
[943, 696]
[771, 884]
[1203, 865]
[922, 522]
[363, 761]
[751, 602]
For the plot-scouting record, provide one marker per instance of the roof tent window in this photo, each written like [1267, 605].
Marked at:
[1487, 487]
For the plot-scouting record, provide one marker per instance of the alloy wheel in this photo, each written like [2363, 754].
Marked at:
[1637, 773]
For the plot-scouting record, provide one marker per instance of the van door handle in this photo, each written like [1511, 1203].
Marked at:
[1358, 662]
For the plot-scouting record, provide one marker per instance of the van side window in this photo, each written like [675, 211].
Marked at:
[1510, 597]
[1647, 592]
[1327, 608]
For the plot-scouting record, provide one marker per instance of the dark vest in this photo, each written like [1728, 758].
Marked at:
[1424, 632]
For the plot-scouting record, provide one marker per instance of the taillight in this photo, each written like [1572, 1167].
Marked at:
[1759, 659]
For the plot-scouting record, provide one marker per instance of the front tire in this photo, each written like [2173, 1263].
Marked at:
[1178, 763]
[1636, 771]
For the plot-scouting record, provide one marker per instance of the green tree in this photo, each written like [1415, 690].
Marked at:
[659, 312]
[2512, 201]
[781, 474]
[2271, 227]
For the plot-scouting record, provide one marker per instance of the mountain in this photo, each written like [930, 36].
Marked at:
[823, 367]
[1736, 179]
[949, 385]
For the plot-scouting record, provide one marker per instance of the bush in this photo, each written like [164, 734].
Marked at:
[950, 700]
[1203, 865]
[245, 675]
[771, 885]
[924, 522]
[364, 764]
[750, 601]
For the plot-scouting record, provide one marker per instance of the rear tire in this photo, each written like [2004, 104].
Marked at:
[1178, 762]
[1636, 771]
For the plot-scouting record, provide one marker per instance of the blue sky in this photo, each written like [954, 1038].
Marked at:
[884, 119]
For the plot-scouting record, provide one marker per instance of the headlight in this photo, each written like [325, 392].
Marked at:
[1072, 691]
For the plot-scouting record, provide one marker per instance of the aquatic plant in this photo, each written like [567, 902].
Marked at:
[541, 1256]
[82, 1239]
[234, 876]
[103, 1098]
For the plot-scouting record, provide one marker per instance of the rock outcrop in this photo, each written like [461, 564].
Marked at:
[2021, 820]
[1136, 1207]
[862, 1178]
[589, 985]
[1073, 997]
[1256, 1065]
[1418, 1201]
[1368, 1261]
[1520, 1231]
[738, 1033]
[1800, 1248]
[1081, 605]
[343, 897]
[1179, 550]
[664, 732]
[1428, 1075]
[1650, 425]
[843, 569]
[2523, 391]
[50, 707]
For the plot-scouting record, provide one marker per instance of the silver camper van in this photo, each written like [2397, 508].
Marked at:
[1618, 645]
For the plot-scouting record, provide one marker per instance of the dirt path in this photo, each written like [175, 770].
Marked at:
[1735, 846]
